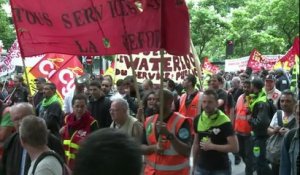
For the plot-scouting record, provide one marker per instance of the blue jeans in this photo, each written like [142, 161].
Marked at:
[200, 171]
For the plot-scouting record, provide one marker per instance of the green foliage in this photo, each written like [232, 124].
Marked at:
[270, 26]
[6, 29]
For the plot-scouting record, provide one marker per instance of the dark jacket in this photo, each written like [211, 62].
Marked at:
[53, 115]
[99, 109]
[12, 154]
[20, 95]
[260, 119]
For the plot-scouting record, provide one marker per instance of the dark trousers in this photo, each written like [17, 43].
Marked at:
[275, 168]
[246, 147]
[261, 162]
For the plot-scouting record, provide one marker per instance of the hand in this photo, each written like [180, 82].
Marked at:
[207, 145]
[162, 128]
[30, 99]
[276, 129]
[283, 130]
[159, 147]
[140, 114]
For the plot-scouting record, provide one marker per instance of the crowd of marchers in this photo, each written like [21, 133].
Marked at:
[103, 127]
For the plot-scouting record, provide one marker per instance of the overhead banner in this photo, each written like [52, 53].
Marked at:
[234, 65]
[240, 64]
[147, 66]
[102, 27]
[257, 61]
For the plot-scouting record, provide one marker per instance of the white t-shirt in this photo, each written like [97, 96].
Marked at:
[274, 122]
[47, 166]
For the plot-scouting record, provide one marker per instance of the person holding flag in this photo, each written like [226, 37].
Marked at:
[50, 109]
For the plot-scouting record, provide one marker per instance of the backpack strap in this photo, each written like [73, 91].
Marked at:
[45, 154]
[279, 118]
[289, 137]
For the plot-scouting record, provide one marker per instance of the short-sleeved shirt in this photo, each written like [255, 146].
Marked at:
[6, 120]
[274, 122]
[222, 95]
[48, 166]
[214, 160]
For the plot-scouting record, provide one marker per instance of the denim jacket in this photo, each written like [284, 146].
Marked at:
[289, 153]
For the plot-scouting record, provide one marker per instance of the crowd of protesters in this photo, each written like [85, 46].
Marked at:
[255, 116]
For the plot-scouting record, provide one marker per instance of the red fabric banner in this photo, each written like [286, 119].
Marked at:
[289, 58]
[208, 67]
[64, 78]
[257, 61]
[102, 27]
[60, 69]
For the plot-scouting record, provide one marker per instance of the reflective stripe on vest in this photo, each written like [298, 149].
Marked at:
[239, 117]
[70, 155]
[70, 144]
[169, 167]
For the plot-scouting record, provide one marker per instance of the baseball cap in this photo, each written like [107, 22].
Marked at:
[270, 77]
[10, 84]
[40, 80]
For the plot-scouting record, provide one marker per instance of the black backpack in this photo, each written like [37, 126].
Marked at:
[65, 168]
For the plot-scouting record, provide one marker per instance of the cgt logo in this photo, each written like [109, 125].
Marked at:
[49, 66]
[66, 79]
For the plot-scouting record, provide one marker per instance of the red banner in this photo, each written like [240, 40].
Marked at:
[257, 61]
[289, 58]
[64, 78]
[60, 69]
[102, 27]
[208, 67]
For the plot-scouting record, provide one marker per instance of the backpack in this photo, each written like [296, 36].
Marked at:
[65, 168]
[274, 142]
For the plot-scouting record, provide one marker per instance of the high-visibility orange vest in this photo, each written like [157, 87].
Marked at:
[194, 108]
[169, 162]
[71, 142]
[241, 124]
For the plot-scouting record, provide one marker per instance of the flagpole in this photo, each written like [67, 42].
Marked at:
[161, 88]
[26, 76]
[197, 64]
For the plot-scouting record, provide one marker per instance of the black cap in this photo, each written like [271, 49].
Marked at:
[40, 80]
[258, 83]
[270, 77]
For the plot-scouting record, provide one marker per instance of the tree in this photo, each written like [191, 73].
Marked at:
[6, 29]
[206, 24]
[270, 26]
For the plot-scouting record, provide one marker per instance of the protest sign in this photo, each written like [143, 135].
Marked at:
[147, 66]
[102, 27]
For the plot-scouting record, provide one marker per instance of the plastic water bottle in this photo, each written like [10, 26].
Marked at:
[256, 151]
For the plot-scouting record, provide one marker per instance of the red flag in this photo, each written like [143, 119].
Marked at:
[208, 67]
[289, 58]
[256, 60]
[64, 77]
[102, 27]
[175, 26]
[60, 69]
[49, 64]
